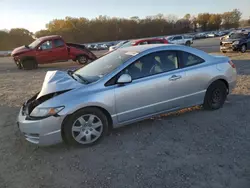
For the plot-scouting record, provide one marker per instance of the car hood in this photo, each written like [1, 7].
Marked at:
[20, 49]
[230, 40]
[56, 81]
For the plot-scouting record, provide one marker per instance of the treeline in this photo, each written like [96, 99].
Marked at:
[103, 28]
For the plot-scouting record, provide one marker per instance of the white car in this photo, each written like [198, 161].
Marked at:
[211, 35]
[180, 39]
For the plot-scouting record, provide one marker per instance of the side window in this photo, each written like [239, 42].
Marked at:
[58, 43]
[151, 64]
[143, 43]
[46, 45]
[155, 42]
[178, 37]
[191, 59]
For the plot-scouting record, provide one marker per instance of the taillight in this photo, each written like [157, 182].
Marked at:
[166, 41]
[232, 64]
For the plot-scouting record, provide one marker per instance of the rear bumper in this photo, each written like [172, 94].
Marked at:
[231, 86]
[43, 132]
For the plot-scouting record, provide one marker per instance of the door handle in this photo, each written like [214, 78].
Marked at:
[174, 77]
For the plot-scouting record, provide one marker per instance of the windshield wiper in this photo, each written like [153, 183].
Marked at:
[82, 78]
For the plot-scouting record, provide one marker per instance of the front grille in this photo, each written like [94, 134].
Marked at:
[227, 44]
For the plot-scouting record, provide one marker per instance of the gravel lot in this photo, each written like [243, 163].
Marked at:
[192, 148]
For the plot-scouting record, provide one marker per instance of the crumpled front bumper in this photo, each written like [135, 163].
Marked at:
[43, 132]
[230, 48]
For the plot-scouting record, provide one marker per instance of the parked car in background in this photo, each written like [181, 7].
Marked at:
[50, 49]
[200, 35]
[91, 47]
[98, 47]
[220, 33]
[180, 39]
[236, 42]
[210, 35]
[125, 86]
[141, 42]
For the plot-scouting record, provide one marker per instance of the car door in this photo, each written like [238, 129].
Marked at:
[152, 76]
[195, 82]
[176, 40]
[248, 41]
[44, 52]
[60, 51]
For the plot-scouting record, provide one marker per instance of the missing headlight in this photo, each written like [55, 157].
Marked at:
[33, 102]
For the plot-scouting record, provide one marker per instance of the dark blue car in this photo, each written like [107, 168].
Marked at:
[236, 42]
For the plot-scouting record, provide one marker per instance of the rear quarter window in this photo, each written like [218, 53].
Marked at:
[189, 59]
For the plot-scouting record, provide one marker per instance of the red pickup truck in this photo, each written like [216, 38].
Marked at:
[50, 49]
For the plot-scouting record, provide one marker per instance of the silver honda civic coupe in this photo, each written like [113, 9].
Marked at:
[125, 86]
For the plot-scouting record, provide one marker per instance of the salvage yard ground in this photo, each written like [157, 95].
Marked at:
[192, 148]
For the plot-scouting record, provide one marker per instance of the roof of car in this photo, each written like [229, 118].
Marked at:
[156, 47]
[141, 48]
[49, 37]
[149, 39]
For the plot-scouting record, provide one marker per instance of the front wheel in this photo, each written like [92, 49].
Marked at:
[29, 64]
[18, 64]
[243, 48]
[86, 127]
[215, 96]
[82, 59]
[188, 43]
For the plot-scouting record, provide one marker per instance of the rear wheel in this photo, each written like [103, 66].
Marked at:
[82, 59]
[29, 64]
[86, 127]
[215, 96]
[188, 43]
[243, 48]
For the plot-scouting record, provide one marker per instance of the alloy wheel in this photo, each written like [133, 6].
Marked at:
[87, 129]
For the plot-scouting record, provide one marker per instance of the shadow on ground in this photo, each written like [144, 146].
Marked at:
[189, 148]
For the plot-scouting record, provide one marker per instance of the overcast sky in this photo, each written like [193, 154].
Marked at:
[34, 14]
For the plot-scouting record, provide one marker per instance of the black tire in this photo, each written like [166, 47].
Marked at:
[29, 64]
[188, 43]
[68, 132]
[82, 59]
[224, 52]
[215, 96]
[243, 48]
[18, 64]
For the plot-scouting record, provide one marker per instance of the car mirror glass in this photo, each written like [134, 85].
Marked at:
[124, 78]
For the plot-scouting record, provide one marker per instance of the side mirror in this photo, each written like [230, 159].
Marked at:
[124, 78]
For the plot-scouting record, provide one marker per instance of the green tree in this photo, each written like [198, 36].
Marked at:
[214, 21]
[231, 19]
[187, 17]
[203, 20]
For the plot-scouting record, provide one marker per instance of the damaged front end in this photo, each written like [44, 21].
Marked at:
[33, 102]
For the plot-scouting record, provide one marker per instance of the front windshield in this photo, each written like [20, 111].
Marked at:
[237, 35]
[34, 44]
[169, 38]
[104, 65]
